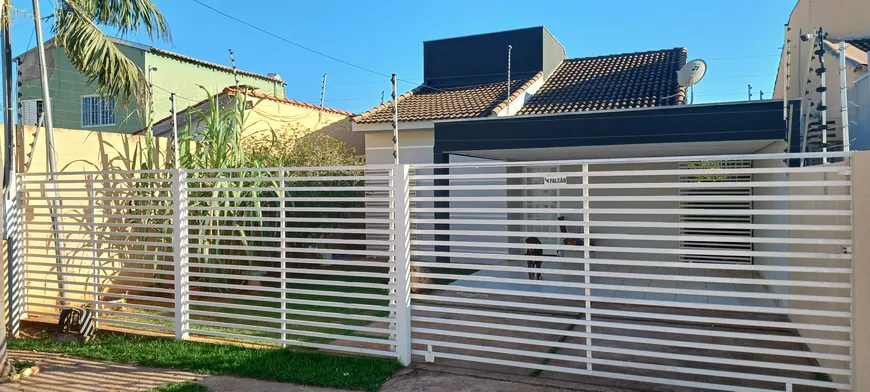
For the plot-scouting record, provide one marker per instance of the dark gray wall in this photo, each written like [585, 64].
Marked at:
[483, 58]
[755, 120]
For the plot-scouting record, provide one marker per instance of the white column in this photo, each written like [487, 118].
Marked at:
[13, 228]
[402, 260]
[587, 254]
[179, 244]
[844, 97]
[282, 197]
[95, 272]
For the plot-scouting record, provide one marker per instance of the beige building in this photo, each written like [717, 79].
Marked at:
[841, 20]
[266, 113]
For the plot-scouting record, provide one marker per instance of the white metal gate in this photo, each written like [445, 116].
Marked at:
[638, 312]
[325, 258]
[541, 200]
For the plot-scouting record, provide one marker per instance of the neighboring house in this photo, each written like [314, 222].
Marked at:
[76, 105]
[467, 77]
[266, 113]
[841, 20]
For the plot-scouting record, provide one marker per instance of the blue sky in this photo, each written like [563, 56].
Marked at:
[739, 39]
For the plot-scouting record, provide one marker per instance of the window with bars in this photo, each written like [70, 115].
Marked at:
[97, 111]
[720, 238]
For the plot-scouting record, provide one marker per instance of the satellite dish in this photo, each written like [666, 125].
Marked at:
[692, 73]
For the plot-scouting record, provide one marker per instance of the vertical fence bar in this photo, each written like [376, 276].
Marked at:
[402, 258]
[587, 254]
[393, 258]
[21, 258]
[95, 272]
[179, 239]
[282, 197]
[13, 228]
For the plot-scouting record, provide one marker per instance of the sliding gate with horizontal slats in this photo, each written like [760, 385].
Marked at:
[630, 302]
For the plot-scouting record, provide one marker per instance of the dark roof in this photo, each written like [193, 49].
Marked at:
[860, 43]
[629, 80]
[449, 102]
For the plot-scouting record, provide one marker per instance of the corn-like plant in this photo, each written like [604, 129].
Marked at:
[226, 207]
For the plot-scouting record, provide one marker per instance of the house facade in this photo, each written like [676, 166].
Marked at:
[76, 105]
[798, 77]
[467, 78]
[266, 114]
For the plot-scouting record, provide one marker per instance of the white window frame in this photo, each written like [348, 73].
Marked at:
[82, 111]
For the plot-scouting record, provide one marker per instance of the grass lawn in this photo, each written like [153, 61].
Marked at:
[180, 387]
[273, 364]
[269, 300]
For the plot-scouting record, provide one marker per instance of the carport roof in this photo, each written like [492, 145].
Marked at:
[725, 122]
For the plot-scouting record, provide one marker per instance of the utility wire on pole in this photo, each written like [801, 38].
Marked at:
[508, 96]
[235, 71]
[749, 91]
[787, 71]
[805, 76]
[395, 122]
[844, 97]
[822, 107]
[50, 151]
[322, 97]
[176, 154]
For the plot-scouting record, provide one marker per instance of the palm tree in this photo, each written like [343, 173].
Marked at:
[76, 30]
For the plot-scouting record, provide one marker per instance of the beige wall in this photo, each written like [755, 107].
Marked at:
[77, 150]
[270, 115]
[414, 146]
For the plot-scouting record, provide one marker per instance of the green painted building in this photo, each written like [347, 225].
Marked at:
[75, 104]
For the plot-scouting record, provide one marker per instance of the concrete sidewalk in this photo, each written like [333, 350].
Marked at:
[61, 373]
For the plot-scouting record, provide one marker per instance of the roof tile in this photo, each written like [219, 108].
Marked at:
[619, 81]
[464, 101]
[861, 43]
[257, 94]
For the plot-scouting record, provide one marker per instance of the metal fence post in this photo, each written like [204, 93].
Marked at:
[179, 242]
[282, 196]
[587, 254]
[13, 231]
[402, 258]
[95, 273]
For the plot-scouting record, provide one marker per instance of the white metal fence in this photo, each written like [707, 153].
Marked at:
[432, 262]
[765, 304]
